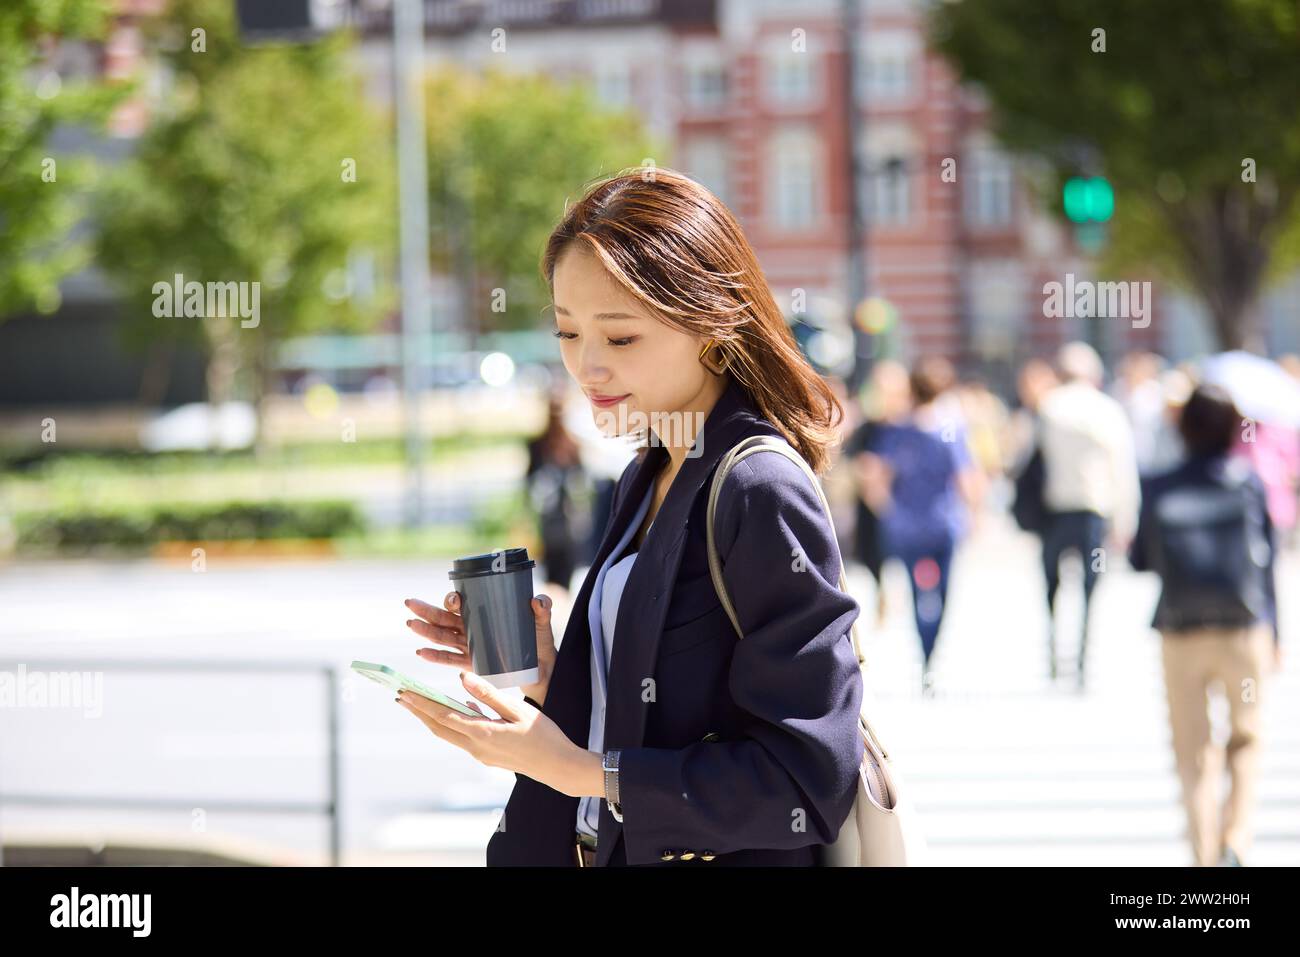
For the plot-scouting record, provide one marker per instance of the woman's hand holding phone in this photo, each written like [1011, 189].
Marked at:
[444, 626]
[523, 740]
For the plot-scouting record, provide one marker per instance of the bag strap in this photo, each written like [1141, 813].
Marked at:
[748, 446]
[760, 443]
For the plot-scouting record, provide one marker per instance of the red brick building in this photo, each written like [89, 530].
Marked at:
[751, 93]
[751, 96]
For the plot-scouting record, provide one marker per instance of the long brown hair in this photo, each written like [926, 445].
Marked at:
[674, 246]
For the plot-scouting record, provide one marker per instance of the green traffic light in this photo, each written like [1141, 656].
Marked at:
[1088, 200]
[1101, 200]
[1075, 196]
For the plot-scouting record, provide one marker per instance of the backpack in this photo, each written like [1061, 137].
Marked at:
[1028, 507]
[1212, 552]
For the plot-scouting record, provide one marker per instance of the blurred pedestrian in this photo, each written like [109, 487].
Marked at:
[1036, 379]
[1273, 450]
[1024, 452]
[1205, 530]
[889, 401]
[986, 420]
[1090, 481]
[984, 416]
[919, 478]
[1176, 386]
[1268, 398]
[553, 478]
[1291, 363]
[1138, 390]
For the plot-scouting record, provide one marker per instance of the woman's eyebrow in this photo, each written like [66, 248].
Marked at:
[602, 315]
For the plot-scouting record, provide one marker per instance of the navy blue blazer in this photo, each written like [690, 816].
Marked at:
[744, 749]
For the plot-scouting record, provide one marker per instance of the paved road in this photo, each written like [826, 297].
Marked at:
[1003, 768]
[1006, 768]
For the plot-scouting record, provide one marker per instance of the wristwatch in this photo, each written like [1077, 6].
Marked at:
[610, 766]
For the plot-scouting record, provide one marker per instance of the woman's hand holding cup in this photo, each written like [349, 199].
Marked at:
[444, 626]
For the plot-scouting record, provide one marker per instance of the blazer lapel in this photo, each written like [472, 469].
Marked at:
[568, 699]
[649, 587]
[546, 817]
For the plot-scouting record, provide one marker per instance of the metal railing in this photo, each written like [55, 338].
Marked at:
[330, 807]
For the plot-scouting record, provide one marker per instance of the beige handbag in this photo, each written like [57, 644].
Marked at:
[881, 830]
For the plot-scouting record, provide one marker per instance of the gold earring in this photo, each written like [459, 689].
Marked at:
[712, 364]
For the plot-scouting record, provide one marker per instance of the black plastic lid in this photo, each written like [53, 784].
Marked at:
[516, 559]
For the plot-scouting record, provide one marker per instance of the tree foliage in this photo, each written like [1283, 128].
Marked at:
[1174, 102]
[246, 176]
[41, 189]
[506, 151]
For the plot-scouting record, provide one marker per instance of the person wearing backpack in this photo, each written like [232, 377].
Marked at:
[1204, 528]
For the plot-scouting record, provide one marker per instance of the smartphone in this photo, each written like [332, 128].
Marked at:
[395, 681]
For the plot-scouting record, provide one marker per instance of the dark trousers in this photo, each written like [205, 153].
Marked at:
[928, 565]
[1082, 532]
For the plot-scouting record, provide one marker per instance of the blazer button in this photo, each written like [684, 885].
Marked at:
[688, 855]
[707, 855]
[711, 736]
[667, 855]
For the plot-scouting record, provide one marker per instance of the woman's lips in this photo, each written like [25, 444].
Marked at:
[606, 401]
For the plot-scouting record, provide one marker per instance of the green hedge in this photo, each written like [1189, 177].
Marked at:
[45, 460]
[136, 527]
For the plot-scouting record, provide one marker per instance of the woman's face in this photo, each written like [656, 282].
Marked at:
[613, 346]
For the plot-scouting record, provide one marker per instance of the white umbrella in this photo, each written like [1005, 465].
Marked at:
[1261, 388]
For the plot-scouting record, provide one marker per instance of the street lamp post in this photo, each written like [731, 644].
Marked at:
[856, 240]
[413, 210]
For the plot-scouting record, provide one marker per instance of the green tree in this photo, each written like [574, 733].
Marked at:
[1188, 109]
[506, 151]
[41, 191]
[267, 165]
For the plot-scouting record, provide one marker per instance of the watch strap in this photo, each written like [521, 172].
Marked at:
[612, 797]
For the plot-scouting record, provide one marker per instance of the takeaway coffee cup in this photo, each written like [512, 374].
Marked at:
[496, 592]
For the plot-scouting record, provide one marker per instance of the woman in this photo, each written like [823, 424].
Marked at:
[742, 752]
[916, 474]
[1205, 529]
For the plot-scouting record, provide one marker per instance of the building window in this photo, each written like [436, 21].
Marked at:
[792, 197]
[887, 76]
[890, 191]
[889, 67]
[988, 188]
[790, 78]
[706, 86]
[705, 161]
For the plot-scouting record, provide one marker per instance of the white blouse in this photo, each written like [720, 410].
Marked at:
[602, 615]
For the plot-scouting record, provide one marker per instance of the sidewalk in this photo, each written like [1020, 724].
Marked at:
[1002, 767]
